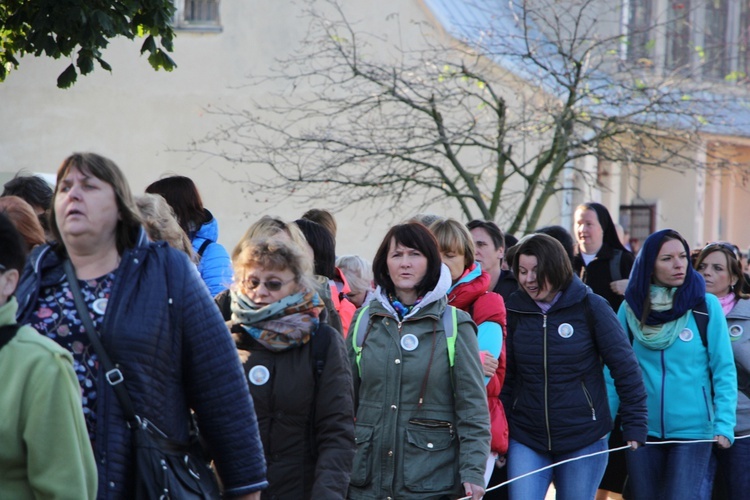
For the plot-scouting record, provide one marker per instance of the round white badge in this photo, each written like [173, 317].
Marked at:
[686, 335]
[735, 331]
[258, 375]
[100, 306]
[409, 342]
[565, 330]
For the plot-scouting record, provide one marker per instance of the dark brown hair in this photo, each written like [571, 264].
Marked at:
[553, 265]
[129, 224]
[412, 235]
[182, 195]
[322, 217]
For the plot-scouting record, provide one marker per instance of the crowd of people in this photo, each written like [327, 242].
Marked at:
[461, 362]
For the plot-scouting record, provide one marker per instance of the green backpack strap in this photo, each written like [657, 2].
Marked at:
[450, 327]
[358, 334]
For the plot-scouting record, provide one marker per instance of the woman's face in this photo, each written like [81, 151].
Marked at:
[86, 208]
[264, 286]
[485, 252]
[527, 278]
[589, 232]
[407, 267]
[715, 270]
[455, 262]
[671, 264]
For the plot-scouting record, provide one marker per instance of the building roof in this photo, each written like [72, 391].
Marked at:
[494, 28]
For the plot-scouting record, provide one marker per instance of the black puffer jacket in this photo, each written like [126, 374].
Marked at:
[308, 440]
[555, 394]
[175, 352]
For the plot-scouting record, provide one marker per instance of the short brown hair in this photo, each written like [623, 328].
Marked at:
[452, 236]
[129, 224]
[412, 235]
[553, 264]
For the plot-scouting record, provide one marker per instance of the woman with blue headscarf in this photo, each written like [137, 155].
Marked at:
[691, 387]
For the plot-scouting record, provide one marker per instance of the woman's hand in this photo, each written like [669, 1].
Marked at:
[633, 445]
[619, 286]
[489, 363]
[722, 442]
[473, 491]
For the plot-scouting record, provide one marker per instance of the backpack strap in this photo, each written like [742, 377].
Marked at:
[7, 333]
[614, 266]
[450, 327]
[359, 333]
[700, 313]
[203, 247]
[320, 342]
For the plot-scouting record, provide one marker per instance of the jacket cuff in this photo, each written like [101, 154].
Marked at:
[244, 490]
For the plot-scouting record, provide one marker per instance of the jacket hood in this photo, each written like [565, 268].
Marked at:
[575, 293]
[472, 285]
[209, 230]
[437, 293]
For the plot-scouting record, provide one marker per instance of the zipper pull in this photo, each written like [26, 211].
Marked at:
[593, 414]
[545, 321]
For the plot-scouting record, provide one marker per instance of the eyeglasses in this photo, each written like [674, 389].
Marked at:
[717, 245]
[271, 285]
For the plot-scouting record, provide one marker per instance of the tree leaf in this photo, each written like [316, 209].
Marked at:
[67, 77]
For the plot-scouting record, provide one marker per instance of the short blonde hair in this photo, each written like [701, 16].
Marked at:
[452, 236]
[161, 223]
[268, 227]
[273, 254]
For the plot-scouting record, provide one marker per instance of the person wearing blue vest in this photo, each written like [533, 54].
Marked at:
[691, 387]
[422, 425]
[202, 228]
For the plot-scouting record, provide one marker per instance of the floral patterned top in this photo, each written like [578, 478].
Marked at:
[56, 317]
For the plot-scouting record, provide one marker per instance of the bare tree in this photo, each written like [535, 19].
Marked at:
[489, 122]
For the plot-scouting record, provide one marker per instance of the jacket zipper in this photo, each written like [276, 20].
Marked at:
[588, 398]
[546, 394]
[663, 385]
[705, 400]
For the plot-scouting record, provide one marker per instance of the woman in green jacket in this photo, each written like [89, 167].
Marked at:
[422, 424]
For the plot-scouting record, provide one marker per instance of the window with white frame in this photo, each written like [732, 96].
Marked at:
[707, 39]
[197, 15]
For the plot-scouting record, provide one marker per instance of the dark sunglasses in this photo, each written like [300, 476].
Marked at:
[271, 285]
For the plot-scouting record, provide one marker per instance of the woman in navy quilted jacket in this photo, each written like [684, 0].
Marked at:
[555, 394]
[157, 323]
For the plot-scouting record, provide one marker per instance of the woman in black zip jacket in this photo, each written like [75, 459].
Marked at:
[559, 333]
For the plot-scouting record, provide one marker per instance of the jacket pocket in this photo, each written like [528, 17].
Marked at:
[589, 400]
[430, 462]
[362, 466]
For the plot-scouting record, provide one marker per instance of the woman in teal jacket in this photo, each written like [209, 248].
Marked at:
[691, 388]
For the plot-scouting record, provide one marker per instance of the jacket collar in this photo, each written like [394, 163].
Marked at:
[741, 310]
[573, 294]
[434, 295]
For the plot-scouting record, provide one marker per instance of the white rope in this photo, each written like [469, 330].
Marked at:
[626, 447]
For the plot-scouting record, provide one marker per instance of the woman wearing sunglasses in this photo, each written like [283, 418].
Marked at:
[691, 388]
[297, 372]
[722, 271]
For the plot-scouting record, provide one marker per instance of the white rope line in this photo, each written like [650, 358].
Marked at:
[626, 447]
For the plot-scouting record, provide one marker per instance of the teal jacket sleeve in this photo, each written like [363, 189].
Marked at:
[490, 338]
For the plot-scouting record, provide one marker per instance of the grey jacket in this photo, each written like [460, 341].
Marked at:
[738, 321]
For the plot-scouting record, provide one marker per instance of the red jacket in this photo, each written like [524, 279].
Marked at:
[342, 304]
[473, 297]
